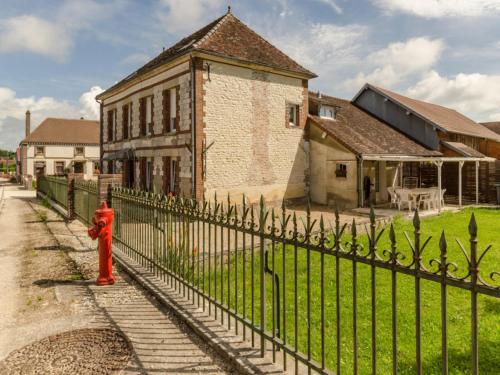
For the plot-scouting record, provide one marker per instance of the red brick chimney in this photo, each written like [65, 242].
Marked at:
[28, 122]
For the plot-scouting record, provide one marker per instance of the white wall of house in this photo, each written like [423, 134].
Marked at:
[252, 150]
[326, 186]
[56, 153]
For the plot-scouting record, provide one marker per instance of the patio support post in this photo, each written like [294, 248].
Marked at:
[439, 164]
[360, 182]
[460, 166]
[477, 182]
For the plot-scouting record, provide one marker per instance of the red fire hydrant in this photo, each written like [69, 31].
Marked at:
[103, 229]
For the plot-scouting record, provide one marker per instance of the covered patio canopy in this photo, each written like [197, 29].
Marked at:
[436, 160]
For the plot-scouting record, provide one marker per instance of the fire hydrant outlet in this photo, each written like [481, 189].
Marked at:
[103, 230]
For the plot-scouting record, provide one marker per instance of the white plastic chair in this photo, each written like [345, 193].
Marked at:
[393, 196]
[405, 198]
[428, 201]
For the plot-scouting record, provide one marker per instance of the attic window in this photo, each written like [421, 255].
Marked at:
[39, 151]
[327, 111]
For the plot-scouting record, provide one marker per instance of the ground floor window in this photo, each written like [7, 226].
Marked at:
[39, 168]
[78, 167]
[59, 168]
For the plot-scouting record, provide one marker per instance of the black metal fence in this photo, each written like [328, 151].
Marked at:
[314, 296]
[55, 188]
[317, 296]
[85, 200]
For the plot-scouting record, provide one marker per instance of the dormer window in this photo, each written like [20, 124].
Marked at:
[327, 111]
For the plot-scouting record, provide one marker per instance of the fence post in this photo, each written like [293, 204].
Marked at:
[71, 199]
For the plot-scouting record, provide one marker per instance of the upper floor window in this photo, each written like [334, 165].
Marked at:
[111, 125]
[146, 115]
[39, 151]
[126, 117]
[79, 151]
[173, 109]
[149, 115]
[293, 114]
[327, 111]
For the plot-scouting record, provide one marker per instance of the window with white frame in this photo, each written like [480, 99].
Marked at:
[39, 151]
[293, 114]
[149, 114]
[79, 151]
[173, 109]
[327, 111]
[59, 168]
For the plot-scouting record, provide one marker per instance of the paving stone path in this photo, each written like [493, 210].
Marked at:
[47, 273]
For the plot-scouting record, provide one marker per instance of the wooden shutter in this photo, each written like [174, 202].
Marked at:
[115, 130]
[177, 178]
[297, 115]
[110, 126]
[166, 111]
[152, 129]
[125, 121]
[166, 174]
[142, 116]
[177, 107]
[142, 177]
[131, 122]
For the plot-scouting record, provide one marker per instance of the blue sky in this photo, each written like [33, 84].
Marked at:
[55, 56]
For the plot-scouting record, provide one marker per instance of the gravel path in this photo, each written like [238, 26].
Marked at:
[47, 273]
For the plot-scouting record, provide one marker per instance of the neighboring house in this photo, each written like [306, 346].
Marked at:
[57, 146]
[440, 129]
[345, 143]
[220, 111]
[494, 127]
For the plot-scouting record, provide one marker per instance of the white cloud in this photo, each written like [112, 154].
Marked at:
[399, 61]
[321, 47]
[13, 109]
[52, 37]
[36, 35]
[441, 8]
[89, 106]
[476, 95]
[332, 4]
[181, 16]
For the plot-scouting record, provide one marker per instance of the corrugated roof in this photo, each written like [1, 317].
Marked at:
[363, 134]
[227, 37]
[463, 149]
[443, 117]
[65, 131]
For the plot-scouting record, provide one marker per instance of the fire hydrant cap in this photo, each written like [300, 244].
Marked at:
[104, 209]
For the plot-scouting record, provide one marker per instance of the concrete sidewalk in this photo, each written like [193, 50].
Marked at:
[40, 302]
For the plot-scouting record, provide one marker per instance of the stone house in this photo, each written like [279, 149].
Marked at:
[221, 111]
[57, 146]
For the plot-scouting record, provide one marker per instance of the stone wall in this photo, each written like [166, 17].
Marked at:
[252, 150]
[155, 147]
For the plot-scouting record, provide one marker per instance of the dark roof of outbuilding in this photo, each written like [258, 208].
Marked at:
[463, 149]
[226, 37]
[494, 126]
[363, 134]
[65, 131]
[445, 118]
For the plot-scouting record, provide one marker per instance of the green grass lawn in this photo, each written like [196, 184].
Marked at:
[455, 225]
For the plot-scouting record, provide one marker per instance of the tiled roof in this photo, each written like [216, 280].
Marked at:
[443, 117]
[363, 134]
[227, 37]
[493, 126]
[462, 149]
[65, 131]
